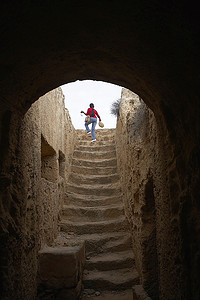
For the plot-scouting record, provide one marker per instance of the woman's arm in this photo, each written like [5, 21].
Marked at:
[97, 115]
[82, 112]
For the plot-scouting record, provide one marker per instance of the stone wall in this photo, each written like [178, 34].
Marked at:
[147, 177]
[135, 162]
[51, 144]
[44, 142]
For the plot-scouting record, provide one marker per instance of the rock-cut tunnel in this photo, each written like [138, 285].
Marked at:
[151, 48]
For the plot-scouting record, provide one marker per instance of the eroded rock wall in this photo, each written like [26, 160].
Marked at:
[41, 145]
[48, 137]
[150, 185]
[135, 162]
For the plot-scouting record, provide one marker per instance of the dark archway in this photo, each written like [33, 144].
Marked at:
[146, 48]
[150, 48]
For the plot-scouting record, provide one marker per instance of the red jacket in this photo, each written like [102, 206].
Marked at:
[89, 111]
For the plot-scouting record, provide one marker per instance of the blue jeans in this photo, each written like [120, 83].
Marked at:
[93, 121]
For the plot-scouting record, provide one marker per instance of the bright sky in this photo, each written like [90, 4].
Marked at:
[79, 94]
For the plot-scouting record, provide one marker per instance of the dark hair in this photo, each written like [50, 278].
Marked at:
[91, 105]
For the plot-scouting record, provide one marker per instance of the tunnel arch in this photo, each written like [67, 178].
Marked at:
[125, 45]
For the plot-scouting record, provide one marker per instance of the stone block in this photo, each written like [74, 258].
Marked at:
[61, 267]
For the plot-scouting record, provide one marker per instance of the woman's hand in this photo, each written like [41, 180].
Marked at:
[82, 112]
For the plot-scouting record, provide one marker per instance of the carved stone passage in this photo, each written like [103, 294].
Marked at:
[93, 212]
[150, 47]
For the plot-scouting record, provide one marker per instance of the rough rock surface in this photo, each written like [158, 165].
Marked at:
[135, 139]
[36, 191]
[60, 272]
[144, 164]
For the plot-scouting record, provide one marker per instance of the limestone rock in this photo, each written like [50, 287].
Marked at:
[61, 268]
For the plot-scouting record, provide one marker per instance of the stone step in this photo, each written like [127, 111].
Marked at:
[88, 142]
[76, 214]
[99, 138]
[93, 147]
[99, 131]
[93, 179]
[106, 242]
[101, 134]
[119, 224]
[94, 171]
[91, 155]
[96, 163]
[110, 261]
[91, 200]
[121, 279]
[98, 243]
[102, 244]
[121, 244]
[95, 189]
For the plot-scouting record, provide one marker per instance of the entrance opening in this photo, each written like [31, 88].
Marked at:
[92, 200]
[79, 94]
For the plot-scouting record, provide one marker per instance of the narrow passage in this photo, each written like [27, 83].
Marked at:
[93, 212]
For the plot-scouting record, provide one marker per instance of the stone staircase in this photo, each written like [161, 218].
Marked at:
[93, 212]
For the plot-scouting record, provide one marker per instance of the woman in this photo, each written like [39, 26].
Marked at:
[93, 119]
